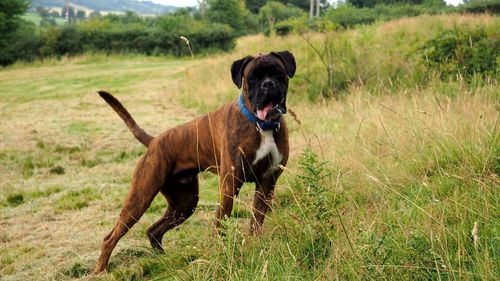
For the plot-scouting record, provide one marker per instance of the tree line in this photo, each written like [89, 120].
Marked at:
[213, 25]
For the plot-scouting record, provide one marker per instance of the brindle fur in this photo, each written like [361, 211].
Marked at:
[222, 142]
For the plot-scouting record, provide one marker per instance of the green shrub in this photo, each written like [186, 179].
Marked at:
[312, 182]
[48, 41]
[11, 26]
[76, 270]
[304, 24]
[347, 15]
[118, 34]
[15, 199]
[283, 28]
[275, 12]
[22, 44]
[322, 25]
[162, 37]
[482, 6]
[462, 52]
[252, 23]
[69, 41]
[229, 12]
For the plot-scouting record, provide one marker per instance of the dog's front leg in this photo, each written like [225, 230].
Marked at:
[229, 187]
[261, 204]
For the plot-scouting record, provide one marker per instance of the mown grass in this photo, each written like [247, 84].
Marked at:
[78, 77]
[388, 181]
[36, 18]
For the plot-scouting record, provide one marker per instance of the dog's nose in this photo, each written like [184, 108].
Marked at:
[267, 84]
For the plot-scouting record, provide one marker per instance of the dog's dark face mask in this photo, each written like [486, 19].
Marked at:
[265, 82]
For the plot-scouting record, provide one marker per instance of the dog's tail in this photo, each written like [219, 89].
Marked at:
[138, 133]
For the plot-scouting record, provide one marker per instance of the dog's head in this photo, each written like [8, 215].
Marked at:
[264, 79]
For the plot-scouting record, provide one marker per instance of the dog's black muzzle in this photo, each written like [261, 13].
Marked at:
[270, 91]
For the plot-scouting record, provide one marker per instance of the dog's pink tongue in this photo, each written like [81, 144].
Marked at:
[262, 113]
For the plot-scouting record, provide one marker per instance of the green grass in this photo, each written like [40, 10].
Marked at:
[388, 181]
[78, 78]
[16, 199]
[75, 200]
[36, 18]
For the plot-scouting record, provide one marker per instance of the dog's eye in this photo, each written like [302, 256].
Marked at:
[252, 79]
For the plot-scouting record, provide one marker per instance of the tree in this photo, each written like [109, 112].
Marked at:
[361, 3]
[371, 3]
[130, 17]
[314, 8]
[10, 10]
[71, 13]
[202, 7]
[95, 14]
[44, 13]
[482, 6]
[230, 12]
[186, 11]
[274, 12]
[434, 3]
[80, 14]
[306, 4]
[255, 5]
[48, 22]
[303, 4]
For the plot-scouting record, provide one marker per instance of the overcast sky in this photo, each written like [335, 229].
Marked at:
[186, 3]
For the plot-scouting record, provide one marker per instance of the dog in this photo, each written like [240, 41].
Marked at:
[243, 141]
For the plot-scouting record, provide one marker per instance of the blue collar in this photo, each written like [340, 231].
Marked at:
[264, 125]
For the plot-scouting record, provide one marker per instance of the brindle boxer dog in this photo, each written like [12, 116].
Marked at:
[243, 141]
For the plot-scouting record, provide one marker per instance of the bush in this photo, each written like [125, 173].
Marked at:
[312, 181]
[117, 34]
[462, 52]
[252, 23]
[388, 12]
[69, 41]
[348, 16]
[321, 25]
[483, 6]
[230, 12]
[303, 25]
[11, 29]
[283, 28]
[22, 44]
[275, 12]
[48, 41]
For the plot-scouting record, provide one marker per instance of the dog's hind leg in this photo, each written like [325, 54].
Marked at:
[182, 199]
[148, 179]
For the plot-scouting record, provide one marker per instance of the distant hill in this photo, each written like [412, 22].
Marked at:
[141, 7]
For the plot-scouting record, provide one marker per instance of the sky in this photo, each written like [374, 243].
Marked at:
[188, 3]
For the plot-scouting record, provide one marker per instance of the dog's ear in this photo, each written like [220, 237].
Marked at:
[237, 70]
[288, 60]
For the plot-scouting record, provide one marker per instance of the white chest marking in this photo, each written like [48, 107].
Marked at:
[268, 146]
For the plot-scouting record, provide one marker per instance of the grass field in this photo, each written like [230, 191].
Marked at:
[391, 180]
[36, 18]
